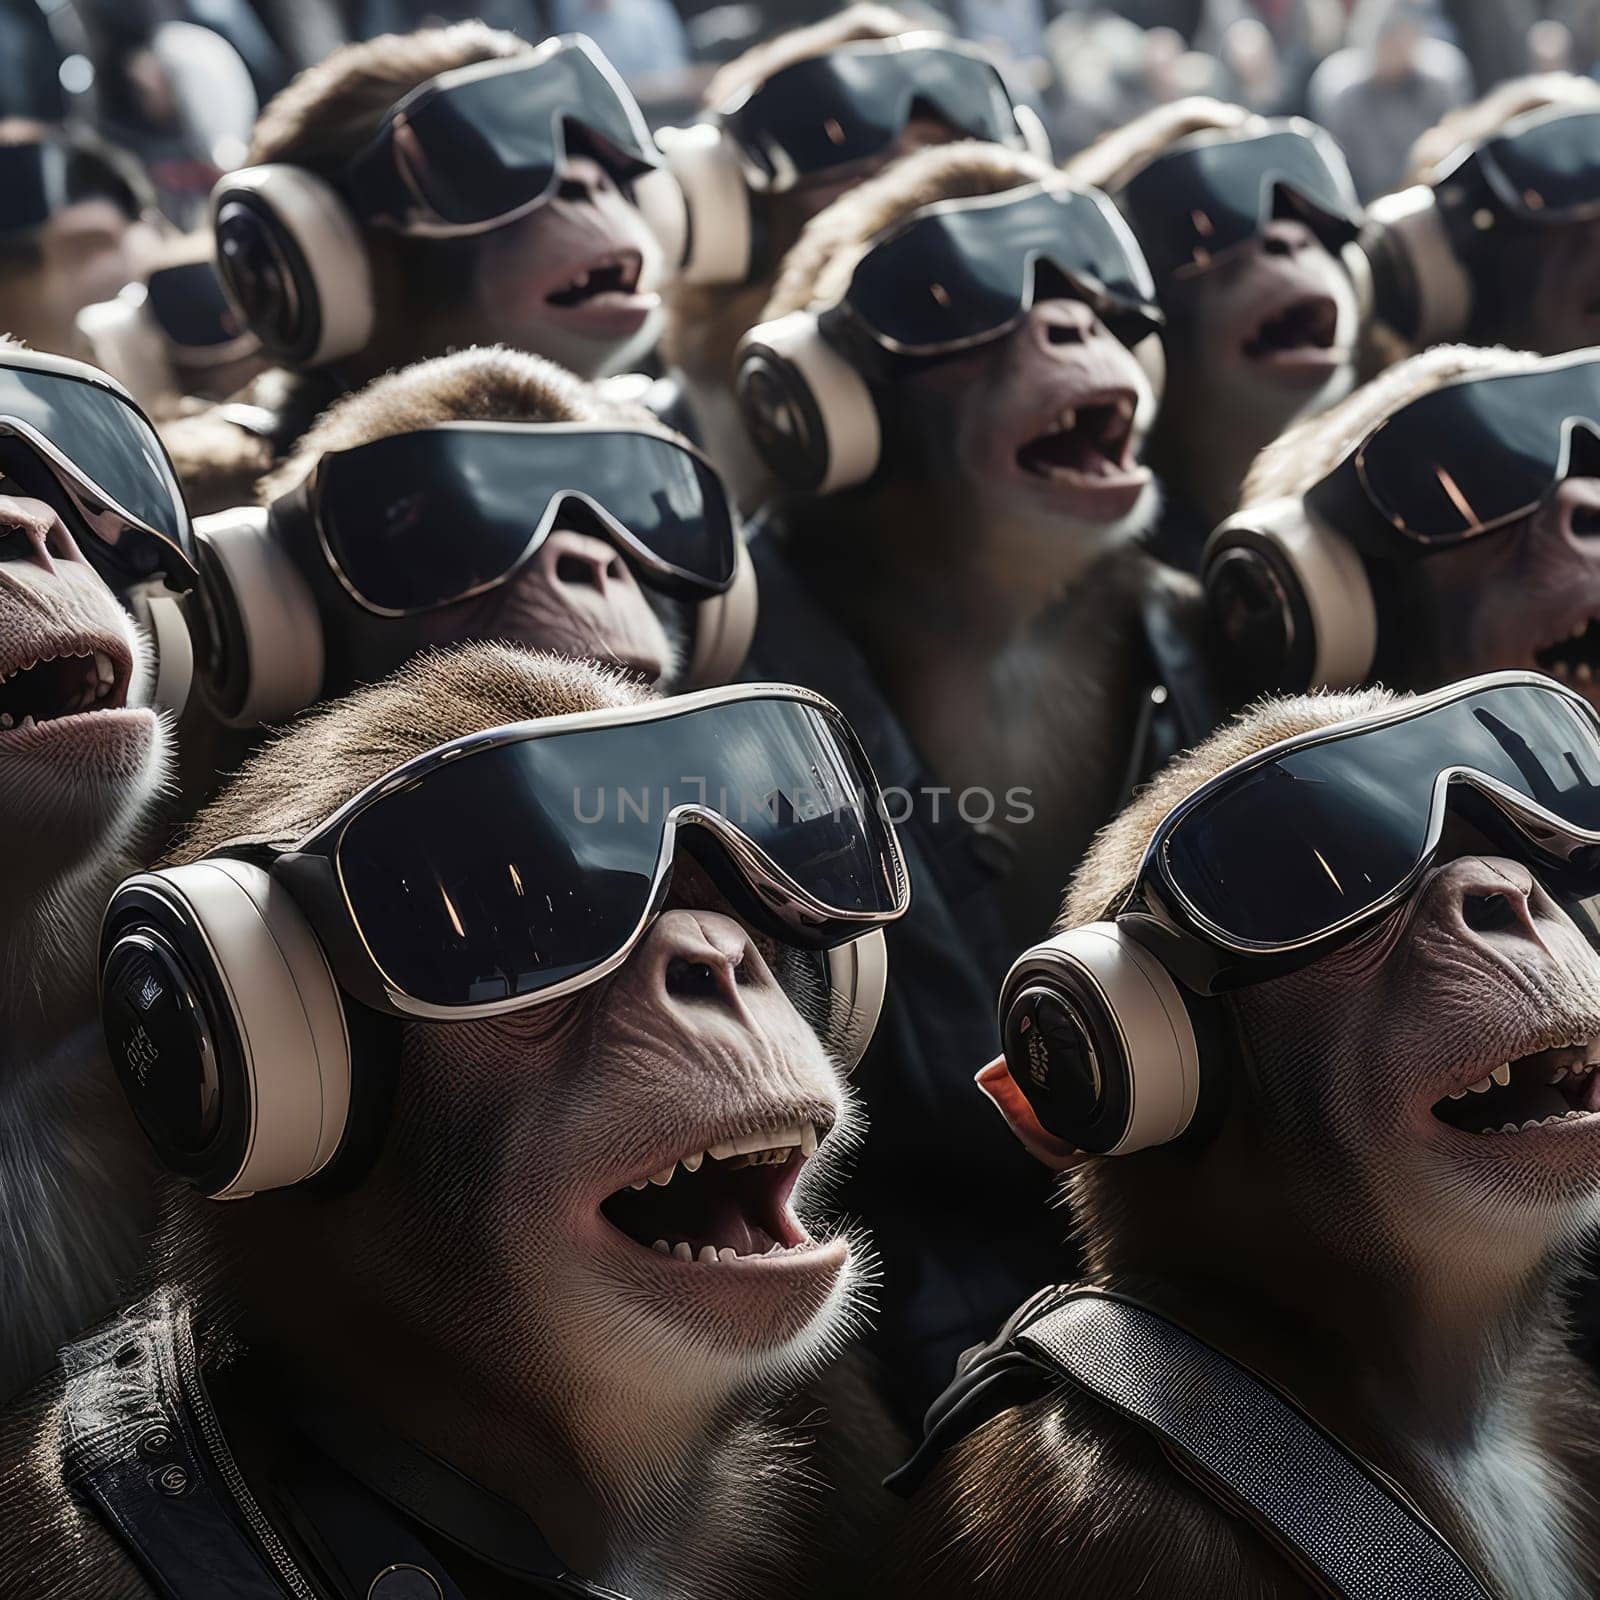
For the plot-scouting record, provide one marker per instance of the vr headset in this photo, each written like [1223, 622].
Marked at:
[244, 994]
[1110, 1030]
[1290, 582]
[821, 115]
[42, 177]
[1541, 171]
[422, 520]
[466, 152]
[178, 317]
[73, 437]
[956, 275]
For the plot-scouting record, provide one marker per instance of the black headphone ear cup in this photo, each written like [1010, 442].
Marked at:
[1290, 600]
[1099, 1038]
[808, 411]
[293, 264]
[225, 1026]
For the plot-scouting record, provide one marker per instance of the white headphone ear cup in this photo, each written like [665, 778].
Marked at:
[809, 412]
[174, 651]
[274, 1010]
[724, 627]
[1035, 136]
[266, 649]
[1408, 226]
[717, 235]
[127, 342]
[858, 977]
[1098, 1037]
[1151, 354]
[287, 224]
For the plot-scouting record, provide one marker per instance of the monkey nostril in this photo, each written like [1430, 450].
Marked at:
[576, 571]
[694, 980]
[614, 569]
[1488, 913]
[1070, 333]
[1585, 522]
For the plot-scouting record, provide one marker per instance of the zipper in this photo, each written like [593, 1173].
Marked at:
[265, 1536]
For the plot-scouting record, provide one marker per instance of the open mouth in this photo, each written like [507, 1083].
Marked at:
[1533, 1091]
[1305, 330]
[610, 275]
[723, 1205]
[1093, 441]
[1575, 659]
[77, 679]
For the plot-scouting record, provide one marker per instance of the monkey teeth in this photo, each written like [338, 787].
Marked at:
[61, 684]
[1309, 324]
[615, 274]
[1574, 659]
[1532, 1091]
[726, 1203]
[1088, 440]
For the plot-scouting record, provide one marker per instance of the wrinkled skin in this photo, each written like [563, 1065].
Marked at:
[1227, 395]
[1389, 1270]
[1537, 289]
[478, 1244]
[588, 227]
[576, 596]
[1449, 615]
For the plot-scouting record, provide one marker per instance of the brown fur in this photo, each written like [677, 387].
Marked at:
[1115, 157]
[1472, 124]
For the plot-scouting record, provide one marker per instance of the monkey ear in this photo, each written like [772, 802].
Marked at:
[995, 1081]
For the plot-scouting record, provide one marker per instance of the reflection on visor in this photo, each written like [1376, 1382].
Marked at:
[1291, 848]
[419, 520]
[518, 866]
[1470, 456]
[964, 271]
[852, 103]
[1206, 196]
[483, 143]
[69, 434]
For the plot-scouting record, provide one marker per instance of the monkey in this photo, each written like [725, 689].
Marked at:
[78, 791]
[1336, 1230]
[706, 320]
[1449, 263]
[574, 278]
[73, 231]
[482, 1284]
[1418, 616]
[169, 335]
[981, 608]
[1269, 331]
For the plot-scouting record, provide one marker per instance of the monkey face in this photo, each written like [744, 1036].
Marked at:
[575, 279]
[1542, 290]
[76, 760]
[1042, 429]
[1524, 596]
[1268, 331]
[1473, 1009]
[534, 1161]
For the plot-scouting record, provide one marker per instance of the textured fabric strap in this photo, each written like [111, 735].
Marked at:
[1252, 1449]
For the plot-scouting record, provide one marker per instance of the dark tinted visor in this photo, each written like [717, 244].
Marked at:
[1546, 169]
[91, 443]
[509, 870]
[41, 178]
[1471, 455]
[1297, 845]
[964, 271]
[188, 303]
[418, 520]
[1197, 200]
[490, 142]
[853, 102]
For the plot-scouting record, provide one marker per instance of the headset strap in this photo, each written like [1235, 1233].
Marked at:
[1343, 1525]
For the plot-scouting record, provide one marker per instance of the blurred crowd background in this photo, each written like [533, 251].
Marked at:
[176, 83]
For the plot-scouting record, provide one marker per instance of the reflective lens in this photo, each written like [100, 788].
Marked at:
[420, 519]
[83, 438]
[1545, 168]
[1293, 847]
[965, 270]
[188, 302]
[853, 102]
[485, 142]
[1471, 455]
[513, 868]
[1201, 198]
